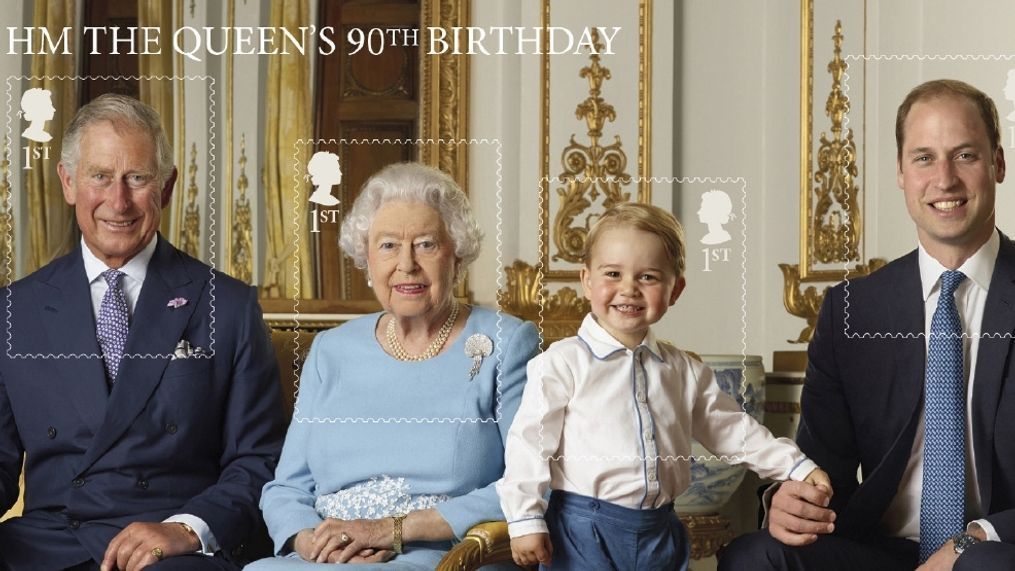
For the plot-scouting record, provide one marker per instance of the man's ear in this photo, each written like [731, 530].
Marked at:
[678, 288]
[167, 189]
[67, 183]
[999, 166]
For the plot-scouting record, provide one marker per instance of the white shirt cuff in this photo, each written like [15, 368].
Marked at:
[802, 470]
[208, 543]
[527, 527]
[987, 527]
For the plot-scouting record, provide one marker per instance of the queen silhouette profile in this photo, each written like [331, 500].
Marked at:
[716, 209]
[37, 108]
[324, 172]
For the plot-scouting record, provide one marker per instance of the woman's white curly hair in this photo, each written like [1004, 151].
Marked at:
[412, 182]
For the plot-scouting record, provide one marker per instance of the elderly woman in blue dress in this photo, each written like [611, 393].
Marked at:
[399, 428]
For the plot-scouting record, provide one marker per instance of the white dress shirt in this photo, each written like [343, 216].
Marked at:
[902, 518]
[616, 424]
[135, 271]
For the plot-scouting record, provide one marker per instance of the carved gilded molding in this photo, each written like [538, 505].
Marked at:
[241, 259]
[837, 221]
[191, 239]
[7, 267]
[227, 183]
[559, 314]
[589, 169]
[831, 218]
[709, 533]
[444, 94]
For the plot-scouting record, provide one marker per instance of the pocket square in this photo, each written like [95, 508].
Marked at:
[184, 350]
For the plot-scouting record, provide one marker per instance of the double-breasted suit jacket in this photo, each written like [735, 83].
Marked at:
[197, 434]
[863, 395]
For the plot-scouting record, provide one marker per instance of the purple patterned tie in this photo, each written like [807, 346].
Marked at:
[112, 323]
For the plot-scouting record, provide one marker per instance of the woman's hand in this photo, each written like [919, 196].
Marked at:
[344, 541]
[303, 545]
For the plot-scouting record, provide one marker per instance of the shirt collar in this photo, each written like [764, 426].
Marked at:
[979, 268]
[136, 268]
[603, 345]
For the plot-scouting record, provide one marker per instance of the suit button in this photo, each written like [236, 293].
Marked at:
[74, 524]
[78, 482]
[51, 432]
[171, 428]
[142, 483]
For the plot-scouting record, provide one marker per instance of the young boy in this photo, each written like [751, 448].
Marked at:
[607, 417]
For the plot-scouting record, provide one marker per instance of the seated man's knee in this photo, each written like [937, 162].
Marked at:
[757, 550]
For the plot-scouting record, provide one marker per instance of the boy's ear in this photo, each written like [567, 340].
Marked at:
[586, 279]
[678, 288]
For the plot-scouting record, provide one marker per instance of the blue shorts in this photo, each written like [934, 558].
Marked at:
[593, 534]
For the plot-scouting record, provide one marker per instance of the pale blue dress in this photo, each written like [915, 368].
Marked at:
[401, 434]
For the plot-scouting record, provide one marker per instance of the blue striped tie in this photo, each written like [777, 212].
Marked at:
[942, 505]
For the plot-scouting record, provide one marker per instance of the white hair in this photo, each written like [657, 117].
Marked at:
[412, 182]
[120, 110]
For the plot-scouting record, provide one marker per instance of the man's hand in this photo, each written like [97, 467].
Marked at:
[942, 560]
[532, 549]
[135, 547]
[799, 511]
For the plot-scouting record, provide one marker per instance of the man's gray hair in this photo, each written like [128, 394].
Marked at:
[412, 182]
[121, 111]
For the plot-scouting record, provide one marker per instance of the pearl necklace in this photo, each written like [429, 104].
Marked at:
[398, 352]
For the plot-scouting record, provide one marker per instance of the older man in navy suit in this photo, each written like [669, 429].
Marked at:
[911, 376]
[139, 383]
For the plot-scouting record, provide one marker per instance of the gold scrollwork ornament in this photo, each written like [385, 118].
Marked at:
[589, 169]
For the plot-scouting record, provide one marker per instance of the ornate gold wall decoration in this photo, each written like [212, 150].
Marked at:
[589, 169]
[837, 225]
[191, 239]
[242, 251]
[560, 314]
[444, 94]
[831, 215]
[7, 261]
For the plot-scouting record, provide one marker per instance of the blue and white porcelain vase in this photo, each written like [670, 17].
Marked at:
[714, 481]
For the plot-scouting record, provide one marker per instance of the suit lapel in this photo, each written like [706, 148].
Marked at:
[67, 318]
[911, 356]
[155, 329]
[995, 346]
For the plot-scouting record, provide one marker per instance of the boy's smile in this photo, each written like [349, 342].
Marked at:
[630, 282]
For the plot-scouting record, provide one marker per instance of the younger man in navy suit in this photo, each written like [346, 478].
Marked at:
[933, 443]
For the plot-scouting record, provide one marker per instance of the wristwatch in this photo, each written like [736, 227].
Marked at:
[963, 541]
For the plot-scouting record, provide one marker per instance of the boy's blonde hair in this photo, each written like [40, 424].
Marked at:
[647, 218]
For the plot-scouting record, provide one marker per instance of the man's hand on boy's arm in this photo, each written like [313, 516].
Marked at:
[532, 549]
[799, 511]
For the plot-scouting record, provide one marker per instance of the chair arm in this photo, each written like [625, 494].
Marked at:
[485, 544]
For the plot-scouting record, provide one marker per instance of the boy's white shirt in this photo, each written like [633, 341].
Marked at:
[618, 425]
